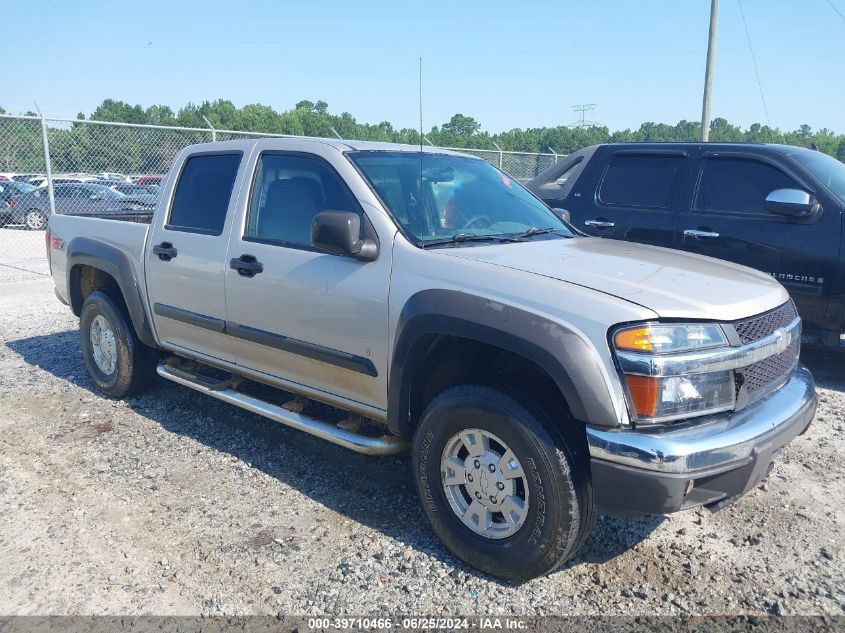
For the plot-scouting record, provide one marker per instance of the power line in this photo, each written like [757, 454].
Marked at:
[582, 110]
[754, 61]
[833, 6]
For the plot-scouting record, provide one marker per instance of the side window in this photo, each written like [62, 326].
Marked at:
[288, 192]
[640, 180]
[567, 173]
[738, 185]
[202, 193]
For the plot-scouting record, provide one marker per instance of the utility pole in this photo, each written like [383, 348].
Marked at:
[708, 72]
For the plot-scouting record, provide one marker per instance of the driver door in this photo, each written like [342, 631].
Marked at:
[296, 314]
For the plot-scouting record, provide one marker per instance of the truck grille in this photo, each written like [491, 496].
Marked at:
[761, 378]
[757, 327]
[769, 374]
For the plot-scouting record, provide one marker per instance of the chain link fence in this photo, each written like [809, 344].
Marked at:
[97, 167]
[519, 165]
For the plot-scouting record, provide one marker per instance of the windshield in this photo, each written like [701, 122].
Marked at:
[825, 168]
[436, 197]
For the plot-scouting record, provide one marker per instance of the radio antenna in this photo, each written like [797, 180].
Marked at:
[420, 194]
[421, 117]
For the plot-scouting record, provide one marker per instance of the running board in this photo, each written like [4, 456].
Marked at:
[384, 445]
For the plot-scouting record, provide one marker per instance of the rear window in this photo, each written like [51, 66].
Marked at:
[202, 193]
[633, 180]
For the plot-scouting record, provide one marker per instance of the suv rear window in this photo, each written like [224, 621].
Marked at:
[202, 193]
[640, 180]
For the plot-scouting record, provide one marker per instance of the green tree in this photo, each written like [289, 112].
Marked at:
[461, 125]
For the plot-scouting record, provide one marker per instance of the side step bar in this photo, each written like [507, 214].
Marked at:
[384, 445]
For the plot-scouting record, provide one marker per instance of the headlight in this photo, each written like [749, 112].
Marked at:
[656, 397]
[666, 338]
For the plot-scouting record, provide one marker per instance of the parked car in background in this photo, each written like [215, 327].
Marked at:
[130, 188]
[33, 208]
[109, 182]
[27, 177]
[145, 194]
[148, 180]
[113, 175]
[60, 180]
[776, 208]
[10, 190]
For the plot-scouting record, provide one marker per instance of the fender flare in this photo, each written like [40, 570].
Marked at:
[561, 352]
[114, 262]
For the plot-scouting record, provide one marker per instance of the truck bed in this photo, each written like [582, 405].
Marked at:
[124, 232]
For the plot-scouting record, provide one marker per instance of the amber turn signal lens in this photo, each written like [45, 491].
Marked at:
[644, 391]
[638, 339]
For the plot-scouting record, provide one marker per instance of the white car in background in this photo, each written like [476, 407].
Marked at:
[62, 179]
[113, 175]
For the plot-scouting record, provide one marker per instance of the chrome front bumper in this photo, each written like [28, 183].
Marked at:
[658, 470]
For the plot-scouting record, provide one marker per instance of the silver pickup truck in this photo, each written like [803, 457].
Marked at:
[383, 296]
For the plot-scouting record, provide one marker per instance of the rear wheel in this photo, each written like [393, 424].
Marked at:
[118, 363]
[504, 483]
[35, 220]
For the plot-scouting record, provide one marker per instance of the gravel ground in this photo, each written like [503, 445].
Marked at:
[172, 503]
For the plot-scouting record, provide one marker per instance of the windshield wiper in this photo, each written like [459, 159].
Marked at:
[535, 231]
[458, 238]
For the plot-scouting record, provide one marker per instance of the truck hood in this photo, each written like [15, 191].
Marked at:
[673, 284]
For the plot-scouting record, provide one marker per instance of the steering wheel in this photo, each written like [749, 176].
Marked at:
[478, 218]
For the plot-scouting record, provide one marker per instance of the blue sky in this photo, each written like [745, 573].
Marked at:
[508, 64]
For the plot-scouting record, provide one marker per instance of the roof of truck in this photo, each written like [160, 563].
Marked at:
[340, 145]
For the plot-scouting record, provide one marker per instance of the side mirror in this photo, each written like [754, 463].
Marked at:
[793, 203]
[563, 214]
[339, 233]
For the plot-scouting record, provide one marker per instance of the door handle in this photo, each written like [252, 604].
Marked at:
[600, 224]
[165, 251]
[246, 265]
[699, 233]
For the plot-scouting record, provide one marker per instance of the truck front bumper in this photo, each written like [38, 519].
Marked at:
[708, 462]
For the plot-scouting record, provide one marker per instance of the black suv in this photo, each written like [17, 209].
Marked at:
[776, 208]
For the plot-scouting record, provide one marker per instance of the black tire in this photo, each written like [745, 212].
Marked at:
[136, 363]
[552, 451]
[35, 220]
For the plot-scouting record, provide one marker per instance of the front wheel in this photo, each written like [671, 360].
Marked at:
[35, 220]
[118, 363]
[505, 484]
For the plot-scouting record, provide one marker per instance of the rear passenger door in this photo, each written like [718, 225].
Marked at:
[185, 257]
[636, 197]
[296, 314]
[726, 218]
